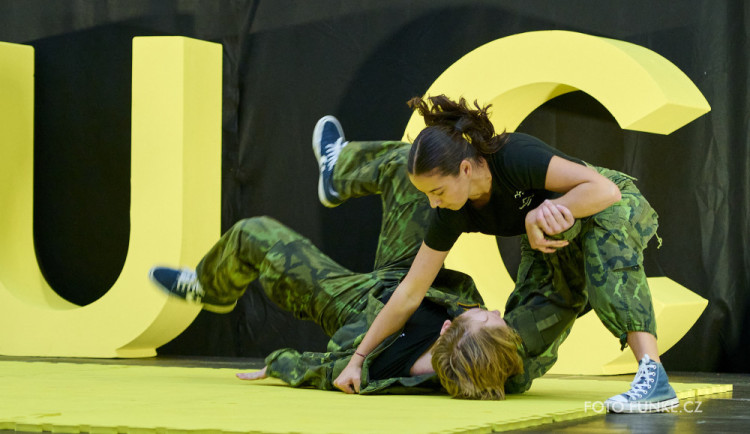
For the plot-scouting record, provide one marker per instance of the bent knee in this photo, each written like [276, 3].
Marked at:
[257, 223]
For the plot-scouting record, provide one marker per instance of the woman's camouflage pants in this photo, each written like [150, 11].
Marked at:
[602, 265]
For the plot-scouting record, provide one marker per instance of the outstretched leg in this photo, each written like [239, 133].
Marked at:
[293, 273]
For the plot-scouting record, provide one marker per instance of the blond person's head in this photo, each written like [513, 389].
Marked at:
[475, 354]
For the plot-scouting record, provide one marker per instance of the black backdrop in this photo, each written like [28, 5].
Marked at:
[286, 63]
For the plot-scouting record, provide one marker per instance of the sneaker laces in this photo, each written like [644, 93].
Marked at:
[332, 151]
[642, 381]
[188, 284]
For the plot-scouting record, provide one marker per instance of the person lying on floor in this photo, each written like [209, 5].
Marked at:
[299, 278]
[501, 354]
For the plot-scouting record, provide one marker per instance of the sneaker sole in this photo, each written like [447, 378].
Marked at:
[317, 135]
[655, 407]
[219, 308]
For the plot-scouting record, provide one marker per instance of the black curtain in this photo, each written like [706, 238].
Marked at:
[287, 63]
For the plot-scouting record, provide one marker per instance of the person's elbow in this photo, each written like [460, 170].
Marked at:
[412, 302]
[613, 193]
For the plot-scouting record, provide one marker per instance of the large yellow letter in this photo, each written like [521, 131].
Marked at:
[174, 212]
[642, 90]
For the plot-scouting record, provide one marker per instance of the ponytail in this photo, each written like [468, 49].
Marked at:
[455, 132]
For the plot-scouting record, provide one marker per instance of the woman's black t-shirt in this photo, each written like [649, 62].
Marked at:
[519, 171]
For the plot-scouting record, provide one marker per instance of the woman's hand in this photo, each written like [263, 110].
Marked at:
[402, 304]
[350, 378]
[553, 219]
[547, 219]
[257, 375]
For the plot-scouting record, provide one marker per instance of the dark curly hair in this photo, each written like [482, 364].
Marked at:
[454, 132]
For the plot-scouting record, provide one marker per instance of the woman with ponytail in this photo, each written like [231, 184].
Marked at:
[583, 231]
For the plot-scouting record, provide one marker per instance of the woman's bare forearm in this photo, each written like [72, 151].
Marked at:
[584, 191]
[390, 319]
[404, 301]
[589, 198]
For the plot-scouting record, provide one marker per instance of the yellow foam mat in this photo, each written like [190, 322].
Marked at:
[67, 397]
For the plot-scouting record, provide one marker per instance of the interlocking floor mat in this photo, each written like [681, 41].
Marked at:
[97, 398]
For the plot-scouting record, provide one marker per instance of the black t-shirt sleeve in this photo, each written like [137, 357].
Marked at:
[444, 228]
[524, 163]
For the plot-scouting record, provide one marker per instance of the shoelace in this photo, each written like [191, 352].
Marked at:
[642, 381]
[332, 151]
[187, 283]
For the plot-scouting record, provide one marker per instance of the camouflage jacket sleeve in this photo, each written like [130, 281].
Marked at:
[570, 233]
[307, 369]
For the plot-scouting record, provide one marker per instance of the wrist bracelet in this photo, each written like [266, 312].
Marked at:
[360, 354]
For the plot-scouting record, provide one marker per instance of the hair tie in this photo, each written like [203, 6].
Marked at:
[460, 124]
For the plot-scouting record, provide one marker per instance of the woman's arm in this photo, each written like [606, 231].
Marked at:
[585, 191]
[402, 304]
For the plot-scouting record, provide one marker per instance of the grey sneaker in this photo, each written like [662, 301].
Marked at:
[183, 283]
[328, 141]
[649, 392]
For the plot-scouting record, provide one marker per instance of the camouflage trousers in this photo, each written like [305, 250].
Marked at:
[300, 278]
[601, 266]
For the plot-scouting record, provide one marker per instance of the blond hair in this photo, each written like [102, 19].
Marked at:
[473, 363]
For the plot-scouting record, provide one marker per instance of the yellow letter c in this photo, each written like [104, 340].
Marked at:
[642, 90]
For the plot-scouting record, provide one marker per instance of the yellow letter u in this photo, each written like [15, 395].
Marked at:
[174, 211]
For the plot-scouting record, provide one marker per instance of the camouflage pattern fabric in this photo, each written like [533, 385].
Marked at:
[292, 271]
[601, 266]
[299, 278]
[613, 244]
[366, 168]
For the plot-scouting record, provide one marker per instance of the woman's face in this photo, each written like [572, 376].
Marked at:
[443, 191]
